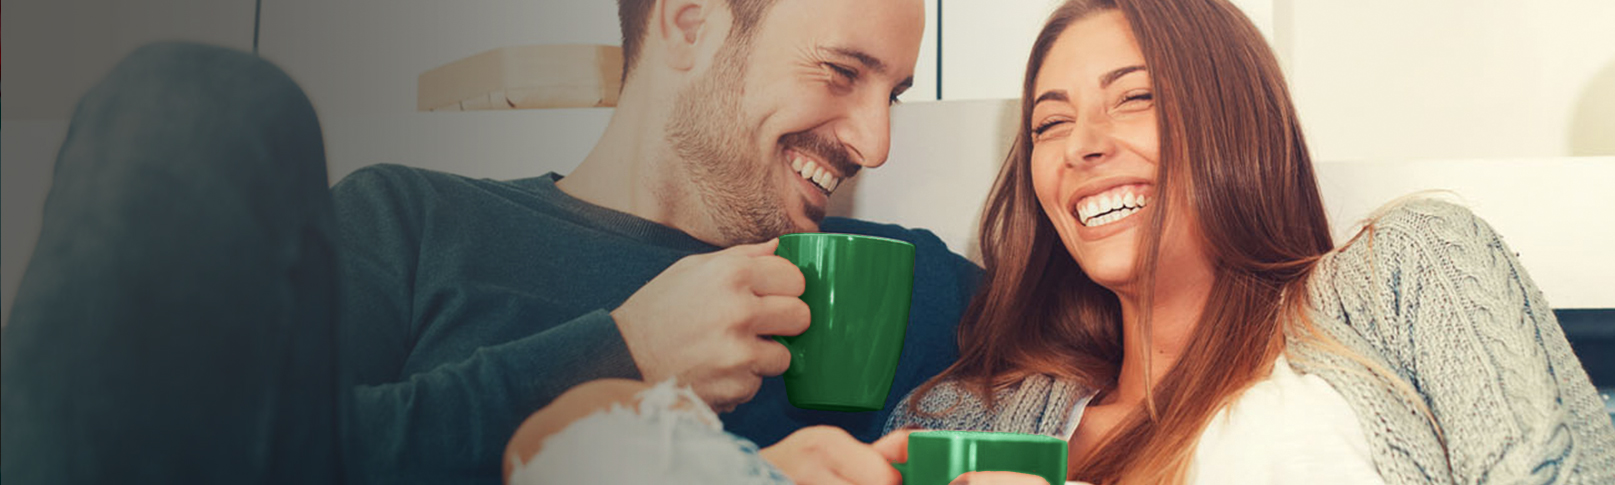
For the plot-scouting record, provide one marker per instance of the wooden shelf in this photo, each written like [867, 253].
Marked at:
[525, 77]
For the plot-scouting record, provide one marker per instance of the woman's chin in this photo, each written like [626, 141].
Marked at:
[1109, 264]
[1112, 279]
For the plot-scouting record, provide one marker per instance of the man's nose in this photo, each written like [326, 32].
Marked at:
[868, 132]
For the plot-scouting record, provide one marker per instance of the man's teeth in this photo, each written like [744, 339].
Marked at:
[811, 170]
[1110, 207]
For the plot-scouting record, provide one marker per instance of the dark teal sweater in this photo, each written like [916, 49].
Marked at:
[469, 304]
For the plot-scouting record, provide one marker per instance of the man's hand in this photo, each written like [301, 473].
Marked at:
[828, 455]
[707, 318]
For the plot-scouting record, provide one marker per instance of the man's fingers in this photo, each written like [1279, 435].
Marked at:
[894, 447]
[754, 249]
[781, 315]
[774, 275]
[772, 357]
[724, 394]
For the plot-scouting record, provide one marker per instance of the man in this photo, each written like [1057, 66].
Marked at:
[514, 280]
[464, 305]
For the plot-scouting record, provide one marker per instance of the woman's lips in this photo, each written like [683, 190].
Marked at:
[1111, 204]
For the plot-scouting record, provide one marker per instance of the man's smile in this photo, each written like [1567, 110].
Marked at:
[814, 170]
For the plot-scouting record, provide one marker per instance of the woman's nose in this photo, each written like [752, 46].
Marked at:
[1090, 141]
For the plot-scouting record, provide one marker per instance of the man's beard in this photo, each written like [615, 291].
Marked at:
[716, 154]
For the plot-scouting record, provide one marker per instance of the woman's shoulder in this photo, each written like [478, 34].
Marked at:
[950, 404]
[1419, 223]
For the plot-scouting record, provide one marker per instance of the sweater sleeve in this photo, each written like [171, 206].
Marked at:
[947, 407]
[1464, 323]
[452, 421]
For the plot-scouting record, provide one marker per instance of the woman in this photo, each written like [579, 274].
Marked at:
[1162, 289]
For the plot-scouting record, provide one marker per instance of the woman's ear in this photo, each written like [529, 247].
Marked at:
[680, 29]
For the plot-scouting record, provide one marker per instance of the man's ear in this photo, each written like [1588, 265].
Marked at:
[681, 26]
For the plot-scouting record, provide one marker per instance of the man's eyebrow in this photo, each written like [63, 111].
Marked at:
[870, 62]
[1112, 76]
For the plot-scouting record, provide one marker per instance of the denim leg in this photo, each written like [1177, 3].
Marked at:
[176, 321]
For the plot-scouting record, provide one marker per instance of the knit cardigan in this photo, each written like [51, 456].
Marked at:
[1431, 293]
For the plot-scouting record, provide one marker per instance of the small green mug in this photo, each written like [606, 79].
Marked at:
[858, 290]
[938, 457]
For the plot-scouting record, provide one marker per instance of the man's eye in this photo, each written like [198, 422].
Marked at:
[843, 71]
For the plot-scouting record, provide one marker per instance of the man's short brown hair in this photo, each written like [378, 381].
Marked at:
[634, 15]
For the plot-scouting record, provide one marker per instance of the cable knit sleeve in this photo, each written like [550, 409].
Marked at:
[948, 406]
[1456, 315]
[1038, 404]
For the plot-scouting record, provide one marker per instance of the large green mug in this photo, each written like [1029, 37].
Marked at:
[858, 291]
[938, 457]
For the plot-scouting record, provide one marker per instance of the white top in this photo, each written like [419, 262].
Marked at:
[1287, 428]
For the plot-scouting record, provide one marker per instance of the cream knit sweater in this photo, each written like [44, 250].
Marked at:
[1433, 295]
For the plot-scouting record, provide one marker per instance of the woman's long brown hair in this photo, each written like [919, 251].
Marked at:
[1231, 144]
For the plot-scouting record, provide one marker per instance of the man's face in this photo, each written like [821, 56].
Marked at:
[773, 128]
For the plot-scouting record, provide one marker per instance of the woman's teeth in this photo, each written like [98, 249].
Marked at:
[811, 170]
[1098, 210]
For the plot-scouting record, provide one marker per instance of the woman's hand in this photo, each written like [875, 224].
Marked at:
[828, 455]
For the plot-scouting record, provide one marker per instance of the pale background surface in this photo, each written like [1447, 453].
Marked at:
[1509, 104]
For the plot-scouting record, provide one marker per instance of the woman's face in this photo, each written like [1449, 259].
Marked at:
[1095, 152]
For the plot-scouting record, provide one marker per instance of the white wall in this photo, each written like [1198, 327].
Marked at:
[62, 47]
[985, 43]
[1379, 79]
[1553, 212]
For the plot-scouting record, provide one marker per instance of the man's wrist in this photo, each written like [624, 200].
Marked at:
[630, 338]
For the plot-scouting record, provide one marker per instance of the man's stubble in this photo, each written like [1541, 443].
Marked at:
[715, 152]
